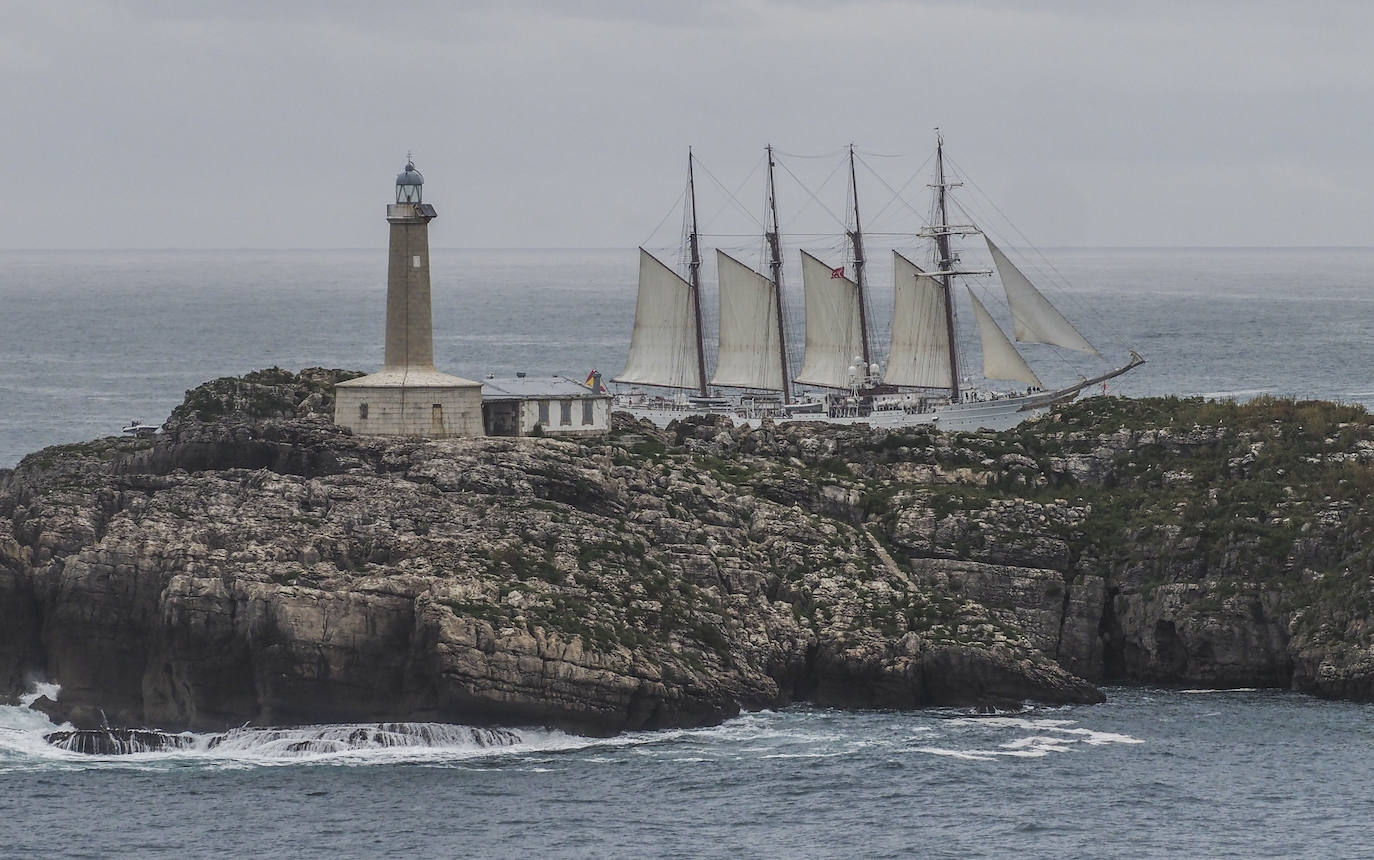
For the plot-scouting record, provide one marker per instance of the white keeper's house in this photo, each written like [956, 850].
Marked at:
[557, 405]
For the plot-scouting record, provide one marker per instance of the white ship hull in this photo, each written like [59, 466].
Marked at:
[1000, 412]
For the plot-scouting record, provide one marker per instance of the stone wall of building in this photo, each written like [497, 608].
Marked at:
[431, 412]
[409, 326]
[601, 416]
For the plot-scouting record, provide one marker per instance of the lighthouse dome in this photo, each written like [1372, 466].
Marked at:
[408, 184]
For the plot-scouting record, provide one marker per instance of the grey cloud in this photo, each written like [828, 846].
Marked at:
[565, 124]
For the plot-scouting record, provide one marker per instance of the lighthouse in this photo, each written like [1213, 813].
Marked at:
[408, 396]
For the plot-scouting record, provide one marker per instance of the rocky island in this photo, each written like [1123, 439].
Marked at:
[254, 563]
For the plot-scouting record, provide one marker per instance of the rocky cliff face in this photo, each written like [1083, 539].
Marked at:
[256, 563]
[1168, 541]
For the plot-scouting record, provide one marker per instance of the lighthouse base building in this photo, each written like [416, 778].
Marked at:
[430, 404]
[408, 397]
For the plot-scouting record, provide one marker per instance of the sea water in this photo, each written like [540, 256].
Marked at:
[90, 340]
[1149, 773]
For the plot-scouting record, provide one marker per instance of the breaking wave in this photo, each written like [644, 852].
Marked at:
[1035, 738]
[28, 740]
[288, 743]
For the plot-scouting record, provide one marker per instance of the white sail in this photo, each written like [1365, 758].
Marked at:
[1034, 319]
[1000, 358]
[664, 349]
[749, 354]
[919, 351]
[833, 331]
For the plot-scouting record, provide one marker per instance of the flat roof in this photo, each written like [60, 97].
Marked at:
[535, 388]
[408, 378]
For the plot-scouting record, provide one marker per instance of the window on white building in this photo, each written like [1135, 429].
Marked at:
[565, 412]
[544, 412]
[587, 408]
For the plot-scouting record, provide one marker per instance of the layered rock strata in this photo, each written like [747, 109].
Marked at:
[255, 563]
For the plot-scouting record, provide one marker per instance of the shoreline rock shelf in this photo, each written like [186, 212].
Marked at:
[255, 563]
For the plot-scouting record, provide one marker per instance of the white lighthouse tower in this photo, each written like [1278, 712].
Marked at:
[408, 396]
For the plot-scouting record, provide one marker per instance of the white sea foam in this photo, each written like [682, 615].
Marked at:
[1038, 742]
[18, 719]
[1034, 738]
[796, 735]
[969, 755]
[1032, 747]
[806, 755]
[23, 743]
[20, 727]
[22, 734]
[52, 691]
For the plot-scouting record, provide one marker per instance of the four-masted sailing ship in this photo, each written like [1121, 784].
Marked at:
[920, 380]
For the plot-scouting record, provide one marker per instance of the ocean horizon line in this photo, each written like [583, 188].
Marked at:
[553, 248]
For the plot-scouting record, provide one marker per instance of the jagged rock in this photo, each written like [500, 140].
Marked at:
[118, 741]
[257, 563]
[254, 564]
[262, 394]
[1242, 641]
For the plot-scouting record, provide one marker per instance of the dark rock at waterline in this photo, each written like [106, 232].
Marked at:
[118, 741]
[256, 563]
[288, 741]
[82, 715]
[45, 705]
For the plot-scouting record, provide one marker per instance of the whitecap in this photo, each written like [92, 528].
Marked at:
[1098, 738]
[23, 743]
[1044, 742]
[805, 755]
[1032, 750]
[968, 755]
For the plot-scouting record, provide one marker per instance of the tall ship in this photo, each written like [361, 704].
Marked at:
[922, 378]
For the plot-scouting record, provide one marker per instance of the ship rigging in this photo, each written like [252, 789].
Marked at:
[918, 382]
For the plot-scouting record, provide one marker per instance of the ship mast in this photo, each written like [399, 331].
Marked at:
[856, 241]
[694, 274]
[945, 262]
[775, 265]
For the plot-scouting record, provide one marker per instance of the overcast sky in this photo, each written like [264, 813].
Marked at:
[565, 124]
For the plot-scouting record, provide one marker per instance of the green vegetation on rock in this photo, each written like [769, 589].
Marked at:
[667, 577]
